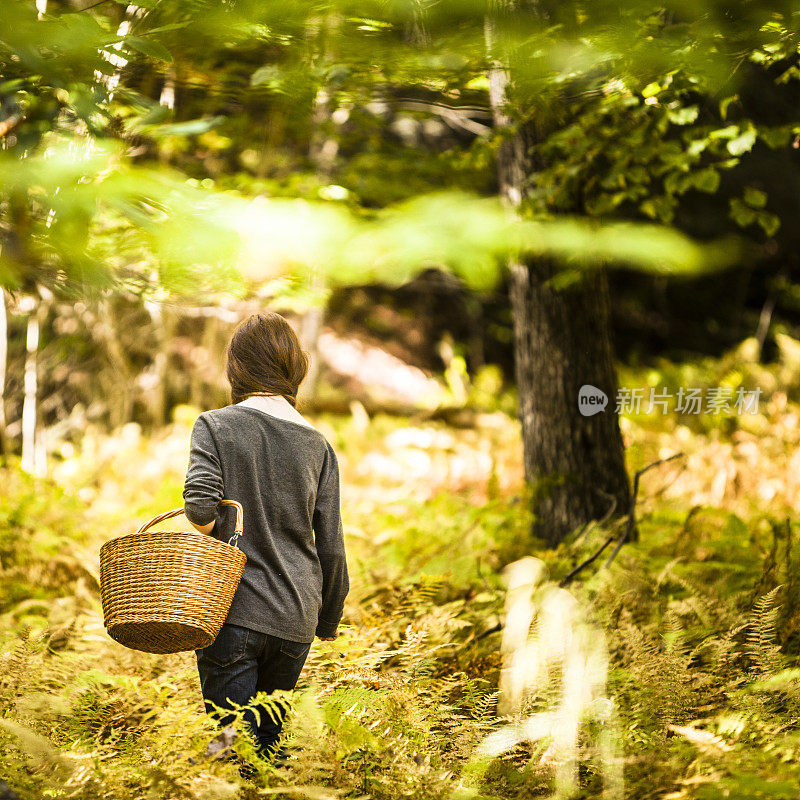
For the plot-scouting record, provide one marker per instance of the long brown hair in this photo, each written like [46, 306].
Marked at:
[265, 357]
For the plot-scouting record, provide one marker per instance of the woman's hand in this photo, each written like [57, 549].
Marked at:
[328, 638]
[203, 528]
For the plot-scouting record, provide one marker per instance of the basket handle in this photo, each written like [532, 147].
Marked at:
[176, 511]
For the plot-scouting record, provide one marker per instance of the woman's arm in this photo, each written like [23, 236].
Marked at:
[203, 487]
[203, 528]
[329, 540]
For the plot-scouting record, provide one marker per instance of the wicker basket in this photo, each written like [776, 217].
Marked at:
[168, 591]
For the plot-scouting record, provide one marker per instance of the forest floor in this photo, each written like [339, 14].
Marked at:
[699, 619]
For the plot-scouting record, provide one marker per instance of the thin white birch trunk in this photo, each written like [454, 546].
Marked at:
[323, 151]
[111, 82]
[30, 387]
[167, 98]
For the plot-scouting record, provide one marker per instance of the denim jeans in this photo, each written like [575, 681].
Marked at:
[241, 662]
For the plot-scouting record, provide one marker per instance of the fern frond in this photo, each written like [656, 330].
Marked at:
[346, 698]
[761, 633]
[421, 594]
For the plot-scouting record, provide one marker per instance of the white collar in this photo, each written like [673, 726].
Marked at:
[276, 406]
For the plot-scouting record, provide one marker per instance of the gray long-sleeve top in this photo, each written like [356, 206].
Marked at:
[286, 477]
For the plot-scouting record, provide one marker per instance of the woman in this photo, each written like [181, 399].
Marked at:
[260, 451]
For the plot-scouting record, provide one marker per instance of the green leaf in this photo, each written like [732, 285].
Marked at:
[480, 83]
[7, 87]
[775, 138]
[706, 180]
[743, 142]
[697, 146]
[769, 222]
[268, 76]
[683, 116]
[727, 132]
[661, 208]
[741, 214]
[338, 74]
[191, 127]
[673, 183]
[755, 198]
[172, 26]
[793, 73]
[651, 89]
[149, 47]
[725, 103]
[604, 202]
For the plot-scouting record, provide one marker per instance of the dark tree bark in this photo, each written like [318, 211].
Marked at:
[7, 793]
[562, 342]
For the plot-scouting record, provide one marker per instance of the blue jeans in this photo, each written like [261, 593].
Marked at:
[241, 662]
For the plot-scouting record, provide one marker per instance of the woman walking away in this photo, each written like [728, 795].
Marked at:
[260, 451]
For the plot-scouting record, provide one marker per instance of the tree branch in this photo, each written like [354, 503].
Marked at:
[570, 575]
[632, 513]
[90, 6]
[453, 116]
[10, 123]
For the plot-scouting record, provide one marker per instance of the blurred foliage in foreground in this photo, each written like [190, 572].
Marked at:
[700, 620]
[144, 132]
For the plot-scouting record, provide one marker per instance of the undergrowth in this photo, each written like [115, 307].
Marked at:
[700, 619]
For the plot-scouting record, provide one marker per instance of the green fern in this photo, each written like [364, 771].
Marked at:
[421, 594]
[347, 698]
[761, 633]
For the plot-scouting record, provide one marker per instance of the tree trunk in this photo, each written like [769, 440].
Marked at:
[118, 376]
[323, 149]
[31, 449]
[561, 342]
[119, 62]
[156, 390]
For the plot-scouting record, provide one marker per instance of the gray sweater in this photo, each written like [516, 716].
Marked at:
[286, 477]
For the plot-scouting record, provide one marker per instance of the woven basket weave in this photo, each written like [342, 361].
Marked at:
[169, 591]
